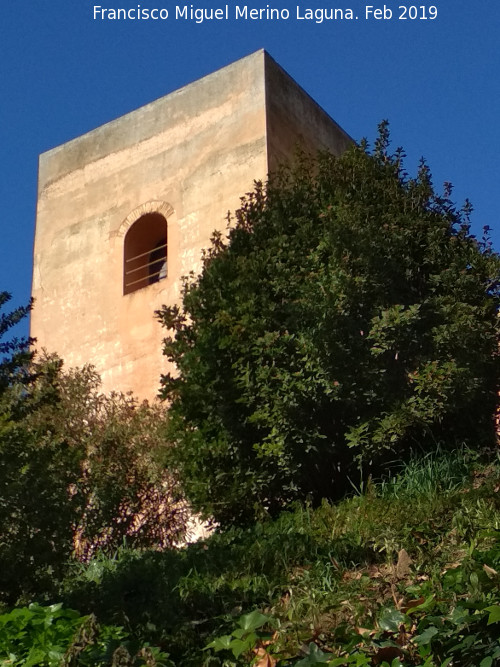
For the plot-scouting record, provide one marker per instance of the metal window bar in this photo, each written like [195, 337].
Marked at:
[147, 278]
[143, 279]
[148, 252]
[144, 266]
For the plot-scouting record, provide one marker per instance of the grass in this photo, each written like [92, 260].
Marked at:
[318, 574]
[404, 573]
[435, 472]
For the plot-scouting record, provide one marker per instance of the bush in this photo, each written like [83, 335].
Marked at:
[79, 471]
[53, 636]
[122, 489]
[323, 574]
[350, 316]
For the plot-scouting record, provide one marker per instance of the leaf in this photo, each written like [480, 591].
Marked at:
[253, 620]
[411, 604]
[35, 657]
[486, 662]
[492, 574]
[422, 604]
[315, 656]
[56, 654]
[458, 616]
[474, 579]
[239, 646]
[265, 660]
[239, 633]
[494, 616]
[390, 619]
[426, 636]
[221, 643]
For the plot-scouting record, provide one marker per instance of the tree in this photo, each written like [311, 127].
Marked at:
[121, 488]
[36, 511]
[349, 317]
[79, 470]
[14, 352]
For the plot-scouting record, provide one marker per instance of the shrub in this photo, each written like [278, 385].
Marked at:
[321, 573]
[122, 488]
[349, 316]
[79, 471]
[53, 636]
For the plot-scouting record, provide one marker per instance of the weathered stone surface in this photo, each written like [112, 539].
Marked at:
[189, 156]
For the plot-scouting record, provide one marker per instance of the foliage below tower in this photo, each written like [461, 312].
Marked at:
[80, 471]
[350, 318]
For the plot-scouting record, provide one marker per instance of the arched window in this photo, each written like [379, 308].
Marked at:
[145, 252]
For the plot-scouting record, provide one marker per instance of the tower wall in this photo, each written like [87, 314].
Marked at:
[189, 157]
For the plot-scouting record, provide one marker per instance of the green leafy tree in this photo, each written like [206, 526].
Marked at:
[122, 489]
[79, 470]
[36, 513]
[349, 318]
[14, 353]
[31, 482]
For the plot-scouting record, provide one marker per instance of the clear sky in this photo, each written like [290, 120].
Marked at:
[63, 73]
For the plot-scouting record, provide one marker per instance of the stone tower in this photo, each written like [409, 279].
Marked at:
[125, 210]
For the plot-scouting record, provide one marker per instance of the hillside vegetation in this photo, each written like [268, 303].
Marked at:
[404, 573]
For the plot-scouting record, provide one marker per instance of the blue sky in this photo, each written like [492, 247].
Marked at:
[437, 81]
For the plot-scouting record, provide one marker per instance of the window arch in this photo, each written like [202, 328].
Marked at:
[145, 252]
